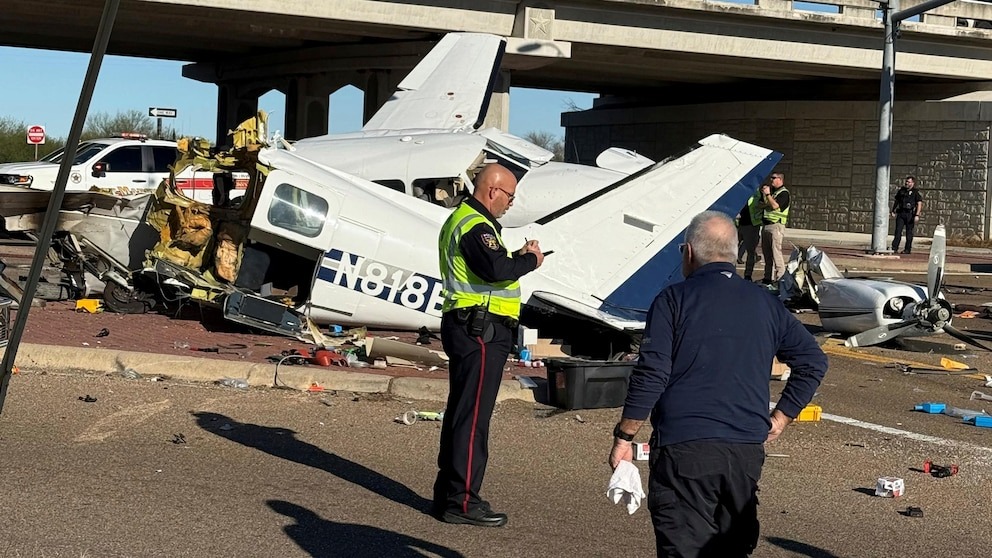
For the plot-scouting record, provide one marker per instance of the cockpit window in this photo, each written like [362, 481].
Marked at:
[298, 211]
[446, 192]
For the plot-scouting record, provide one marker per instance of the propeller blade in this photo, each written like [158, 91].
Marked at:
[879, 334]
[935, 268]
[958, 334]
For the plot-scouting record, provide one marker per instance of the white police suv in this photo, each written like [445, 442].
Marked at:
[125, 165]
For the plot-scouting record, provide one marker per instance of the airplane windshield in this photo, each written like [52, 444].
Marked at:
[297, 210]
[84, 153]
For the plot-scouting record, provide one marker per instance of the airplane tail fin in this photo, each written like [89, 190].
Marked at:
[449, 89]
[617, 248]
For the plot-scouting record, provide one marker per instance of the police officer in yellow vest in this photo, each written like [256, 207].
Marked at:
[479, 322]
[775, 202]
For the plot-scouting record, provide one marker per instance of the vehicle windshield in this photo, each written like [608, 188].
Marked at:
[86, 151]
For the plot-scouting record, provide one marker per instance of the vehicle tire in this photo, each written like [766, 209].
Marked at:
[122, 300]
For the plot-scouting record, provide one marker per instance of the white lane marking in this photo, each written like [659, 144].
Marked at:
[898, 432]
[125, 418]
[906, 433]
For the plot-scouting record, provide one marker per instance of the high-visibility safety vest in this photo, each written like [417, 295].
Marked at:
[778, 215]
[754, 208]
[462, 288]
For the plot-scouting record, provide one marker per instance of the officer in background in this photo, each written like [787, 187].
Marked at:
[907, 208]
[478, 324]
[749, 233]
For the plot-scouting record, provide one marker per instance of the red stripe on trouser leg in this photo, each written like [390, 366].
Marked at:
[475, 422]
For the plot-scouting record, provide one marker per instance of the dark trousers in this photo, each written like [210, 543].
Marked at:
[904, 220]
[703, 499]
[475, 369]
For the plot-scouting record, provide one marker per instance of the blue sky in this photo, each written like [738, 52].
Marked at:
[48, 88]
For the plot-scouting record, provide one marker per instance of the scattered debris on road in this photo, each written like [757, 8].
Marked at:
[411, 417]
[890, 487]
[913, 511]
[939, 471]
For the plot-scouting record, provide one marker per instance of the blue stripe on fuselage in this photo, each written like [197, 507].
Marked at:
[632, 299]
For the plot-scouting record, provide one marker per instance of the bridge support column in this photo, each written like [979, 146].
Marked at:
[235, 104]
[498, 115]
[307, 106]
[379, 87]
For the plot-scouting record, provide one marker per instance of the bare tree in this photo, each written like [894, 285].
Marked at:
[571, 106]
[548, 141]
[103, 124]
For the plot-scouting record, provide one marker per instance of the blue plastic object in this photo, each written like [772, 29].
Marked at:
[984, 422]
[930, 407]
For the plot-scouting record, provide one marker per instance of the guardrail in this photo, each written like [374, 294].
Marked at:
[963, 13]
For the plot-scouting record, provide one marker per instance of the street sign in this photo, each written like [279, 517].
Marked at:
[162, 112]
[36, 135]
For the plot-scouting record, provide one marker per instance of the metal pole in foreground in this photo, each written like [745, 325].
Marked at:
[883, 161]
[58, 194]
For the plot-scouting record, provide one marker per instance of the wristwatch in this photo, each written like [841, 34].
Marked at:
[617, 433]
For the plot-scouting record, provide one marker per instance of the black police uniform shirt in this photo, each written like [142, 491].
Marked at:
[484, 254]
[906, 200]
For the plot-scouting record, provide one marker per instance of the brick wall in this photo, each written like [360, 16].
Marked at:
[829, 151]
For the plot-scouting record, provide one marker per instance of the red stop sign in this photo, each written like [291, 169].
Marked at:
[36, 135]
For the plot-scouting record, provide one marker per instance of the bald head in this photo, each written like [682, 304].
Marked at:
[712, 237]
[495, 188]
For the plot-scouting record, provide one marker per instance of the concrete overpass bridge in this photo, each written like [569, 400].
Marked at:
[767, 72]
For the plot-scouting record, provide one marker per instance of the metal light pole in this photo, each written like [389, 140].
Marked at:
[883, 157]
[58, 194]
[891, 17]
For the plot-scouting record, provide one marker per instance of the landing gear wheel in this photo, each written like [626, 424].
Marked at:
[123, 300]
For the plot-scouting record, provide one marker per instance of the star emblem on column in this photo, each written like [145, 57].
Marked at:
[542, 24]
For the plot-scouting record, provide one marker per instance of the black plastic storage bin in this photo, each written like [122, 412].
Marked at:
[587, 384]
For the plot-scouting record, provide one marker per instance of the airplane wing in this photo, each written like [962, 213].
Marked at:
[449, 89]
[617, 248]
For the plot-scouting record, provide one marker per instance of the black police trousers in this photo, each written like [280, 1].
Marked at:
[703, 498]
[904, 220]
[475, 369]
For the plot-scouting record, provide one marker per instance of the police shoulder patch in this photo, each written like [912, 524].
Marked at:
[490, 241]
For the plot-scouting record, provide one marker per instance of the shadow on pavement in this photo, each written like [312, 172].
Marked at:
[800, 548]
[320, 537]
[282, 442]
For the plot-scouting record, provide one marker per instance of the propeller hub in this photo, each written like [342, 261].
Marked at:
[936, 316]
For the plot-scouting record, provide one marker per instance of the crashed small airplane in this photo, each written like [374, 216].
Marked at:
[873, 311]
[342, 229]
[308, 244]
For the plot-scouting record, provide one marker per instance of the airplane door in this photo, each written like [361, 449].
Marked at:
[299, 215]
[349, 274]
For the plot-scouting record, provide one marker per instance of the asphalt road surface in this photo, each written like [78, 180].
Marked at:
[170, 469]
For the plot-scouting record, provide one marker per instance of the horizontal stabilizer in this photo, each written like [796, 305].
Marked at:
[617, 248]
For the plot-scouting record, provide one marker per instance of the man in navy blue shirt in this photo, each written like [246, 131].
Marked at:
[703, 375]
